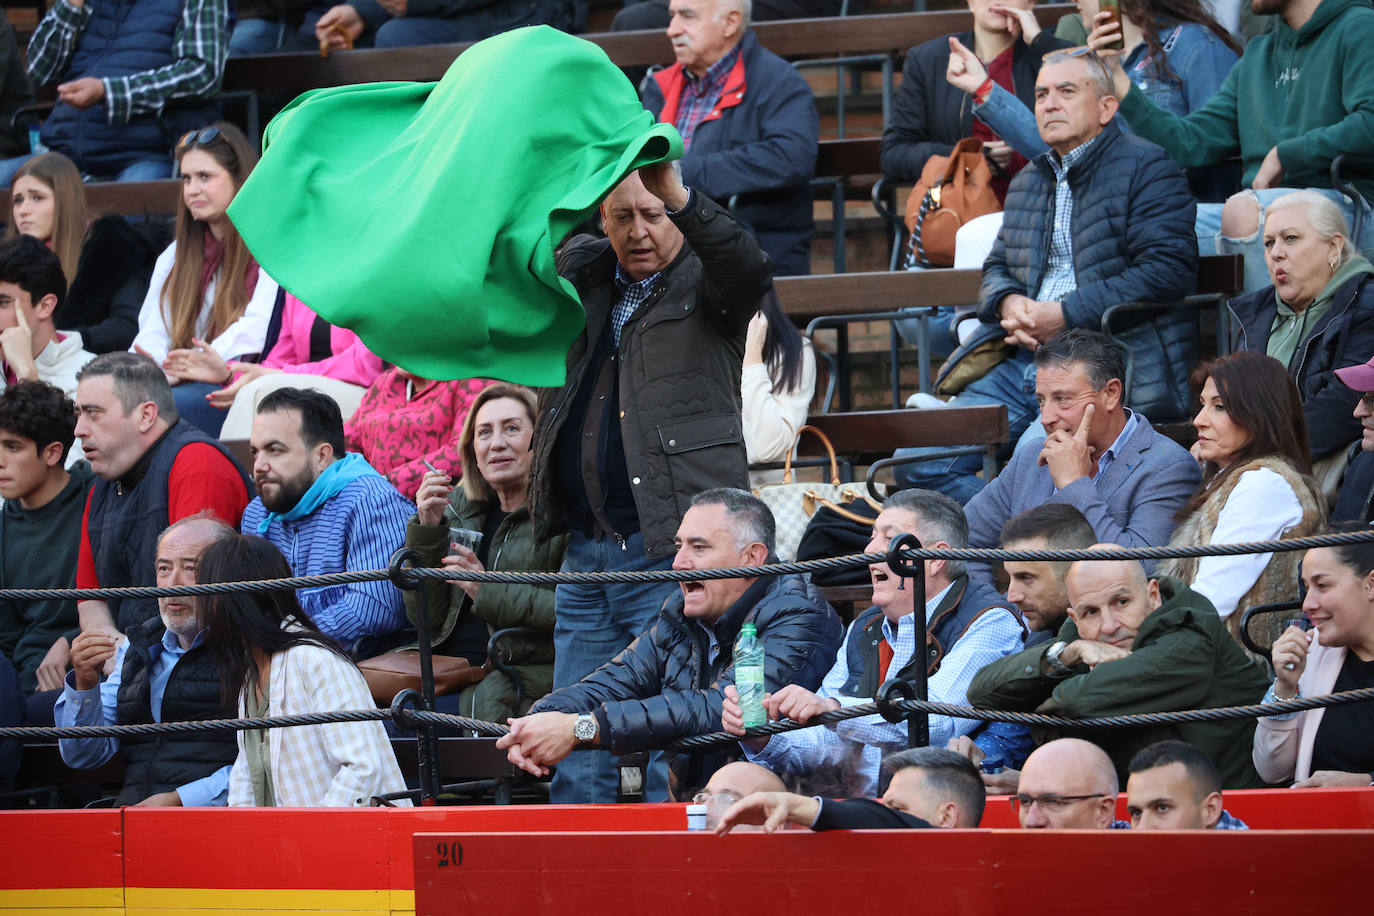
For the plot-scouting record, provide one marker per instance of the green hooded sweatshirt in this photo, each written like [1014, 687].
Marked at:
[424, 216]
[1309, 92]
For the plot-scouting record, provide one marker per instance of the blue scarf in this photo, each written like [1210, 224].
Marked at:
[333, 479]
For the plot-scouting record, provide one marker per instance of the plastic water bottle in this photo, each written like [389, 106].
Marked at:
[749, 675]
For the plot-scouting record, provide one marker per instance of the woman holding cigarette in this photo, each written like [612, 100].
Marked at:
[489, 506]
[1332, 746]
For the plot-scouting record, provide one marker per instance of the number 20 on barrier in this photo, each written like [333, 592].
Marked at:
[450, 853]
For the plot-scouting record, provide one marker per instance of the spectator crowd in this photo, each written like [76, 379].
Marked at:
[170, 414]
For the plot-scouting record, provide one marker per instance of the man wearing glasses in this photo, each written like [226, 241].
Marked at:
[1067, 784]
[1133, 645]
[1099, 457]
[1355, 502]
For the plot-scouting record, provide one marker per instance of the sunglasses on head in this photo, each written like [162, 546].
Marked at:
[197, 137]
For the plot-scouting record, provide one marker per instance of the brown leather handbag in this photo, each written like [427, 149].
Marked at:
[952, 190]
[390, 673]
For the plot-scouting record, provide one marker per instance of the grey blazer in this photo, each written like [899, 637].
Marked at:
[1132, 504]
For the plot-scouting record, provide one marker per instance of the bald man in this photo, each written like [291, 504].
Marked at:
[1131, 645]
[1068, 784]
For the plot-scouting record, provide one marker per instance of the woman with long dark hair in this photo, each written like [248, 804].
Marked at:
[777, 383]
[1256, 484]
[1335, 746]
[206, 292]
[106, 264]
[278, 663]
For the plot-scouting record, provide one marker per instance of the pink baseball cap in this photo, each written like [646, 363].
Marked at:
[1360, 378]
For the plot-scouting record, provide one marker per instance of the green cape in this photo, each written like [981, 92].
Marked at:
[424, 216]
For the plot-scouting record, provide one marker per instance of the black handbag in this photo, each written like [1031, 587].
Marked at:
[837, 531]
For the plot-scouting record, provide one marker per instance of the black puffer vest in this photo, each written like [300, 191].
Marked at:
[160, 763]
[127, 516]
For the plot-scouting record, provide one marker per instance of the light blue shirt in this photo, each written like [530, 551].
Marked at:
[1060, 277]
[97, 707]
[1107, 457]
[856, 746]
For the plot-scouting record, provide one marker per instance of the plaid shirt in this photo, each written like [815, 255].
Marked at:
[632, 296]
[857, 745]
[319, 766]
[701, 93]
[1060, 278]
[199, 48]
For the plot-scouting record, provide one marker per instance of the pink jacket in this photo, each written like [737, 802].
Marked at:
[352, 361]
[1283, 747]
[397, 434]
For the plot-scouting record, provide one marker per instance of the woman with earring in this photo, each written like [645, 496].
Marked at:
[1316, 317]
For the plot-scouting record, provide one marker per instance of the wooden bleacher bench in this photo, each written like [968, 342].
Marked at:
[836, 300]
[128, 198]
[790, 38]
[869, 437]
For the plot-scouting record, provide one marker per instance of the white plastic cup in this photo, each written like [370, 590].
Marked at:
[696, 817]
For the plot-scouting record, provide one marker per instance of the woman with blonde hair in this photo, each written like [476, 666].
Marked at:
[1317, 315]
[206, 292]
[492, 498]
[106, 264]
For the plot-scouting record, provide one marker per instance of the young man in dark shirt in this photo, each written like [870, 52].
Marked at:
[40, 527]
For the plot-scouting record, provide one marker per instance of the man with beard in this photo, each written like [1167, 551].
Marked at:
[327, 511]
[161, 673]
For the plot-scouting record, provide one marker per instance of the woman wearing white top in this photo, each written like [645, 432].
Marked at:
[280, 664]
[777, 384]
[206, 292]
[1256, 486]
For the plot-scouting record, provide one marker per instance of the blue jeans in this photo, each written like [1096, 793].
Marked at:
[472, 26]
[150, 169]
[264, 36]
[594, 622]
[1256, 270]
[194, 409]
[1011, 382]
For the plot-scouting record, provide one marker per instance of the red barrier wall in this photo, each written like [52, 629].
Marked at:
[951, 872]
[138, 860]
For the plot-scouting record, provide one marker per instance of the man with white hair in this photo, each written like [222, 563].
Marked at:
[748, 122]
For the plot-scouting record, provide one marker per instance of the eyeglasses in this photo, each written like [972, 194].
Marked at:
[1049, 804]
[197, 137]
[724, 799]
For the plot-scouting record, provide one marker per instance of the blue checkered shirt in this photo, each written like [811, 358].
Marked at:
[856, 747]
[701, 93]
[632, 296]
[1060, 278]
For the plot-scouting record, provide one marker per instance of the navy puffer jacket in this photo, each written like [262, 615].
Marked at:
[664, 686]
[1133, 240]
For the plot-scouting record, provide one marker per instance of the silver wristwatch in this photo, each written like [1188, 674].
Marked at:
[1057, 668]
[584, 728]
